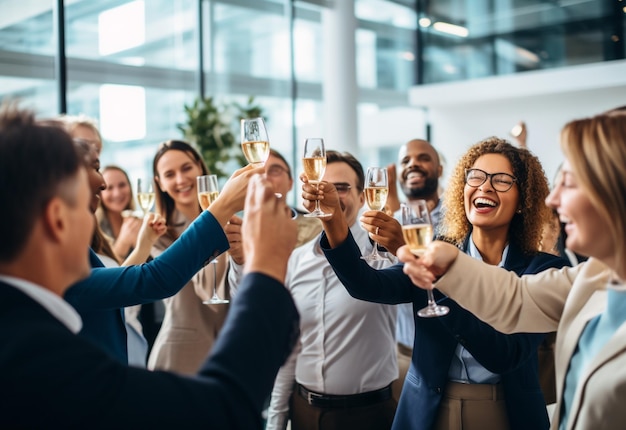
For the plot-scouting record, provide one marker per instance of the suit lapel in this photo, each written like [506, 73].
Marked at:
[615, 346]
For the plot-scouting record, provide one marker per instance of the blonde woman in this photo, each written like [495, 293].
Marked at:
[115, 214]
[587, 303]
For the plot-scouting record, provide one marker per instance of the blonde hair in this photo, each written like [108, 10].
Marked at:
[72, 122]
[526, 227]
[596, 149]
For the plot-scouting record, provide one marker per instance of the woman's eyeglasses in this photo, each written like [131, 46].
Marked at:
[501, 182]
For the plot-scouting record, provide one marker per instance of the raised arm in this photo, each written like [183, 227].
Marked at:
[532, 303]
[164, 276]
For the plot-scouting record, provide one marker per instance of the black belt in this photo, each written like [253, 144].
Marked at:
[343, 402]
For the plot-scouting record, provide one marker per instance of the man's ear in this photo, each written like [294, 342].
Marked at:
[439, 171]
[55, 219]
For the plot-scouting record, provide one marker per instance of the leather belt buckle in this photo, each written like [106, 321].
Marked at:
[311, 397]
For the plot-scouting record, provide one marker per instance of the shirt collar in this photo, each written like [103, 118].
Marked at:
[473, 252]
[54, 304]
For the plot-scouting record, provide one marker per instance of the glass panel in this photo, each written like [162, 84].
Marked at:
[137, 33]
[467, 39]
[27, 29]
[26, 46]
[251, 41]
[133, 120]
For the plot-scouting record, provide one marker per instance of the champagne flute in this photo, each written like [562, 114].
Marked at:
[208, 190]
[145, 194]
[254, 141]
[376, 191]
[314, 163]
[417, 230]
[215, 298]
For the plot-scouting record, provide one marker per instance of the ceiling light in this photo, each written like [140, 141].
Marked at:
[455, 30]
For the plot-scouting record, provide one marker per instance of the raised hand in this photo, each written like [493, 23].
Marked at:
[152, 227]
[127, 237]
[270, 232]
[433, 264]
[393, 201]
[383, 229]
[326, 194]
[233, 194]
[233, 233]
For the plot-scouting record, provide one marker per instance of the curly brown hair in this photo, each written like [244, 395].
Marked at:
[526, 227]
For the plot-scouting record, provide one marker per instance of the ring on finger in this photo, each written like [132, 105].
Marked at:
[377, 228]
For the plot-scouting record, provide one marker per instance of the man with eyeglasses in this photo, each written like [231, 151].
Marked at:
[340, 373]
[278, 172]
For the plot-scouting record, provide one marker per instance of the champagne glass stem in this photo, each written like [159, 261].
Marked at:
[431, 299]
[318, 208]
[215, 296]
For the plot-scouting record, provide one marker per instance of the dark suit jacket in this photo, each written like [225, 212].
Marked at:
[514, 357]
[100, 297]
[52, 378]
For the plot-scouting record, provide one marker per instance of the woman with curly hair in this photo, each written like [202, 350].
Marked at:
[587, 303]
[464, 374]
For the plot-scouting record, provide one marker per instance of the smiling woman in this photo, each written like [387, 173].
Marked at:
[115, 215]
[189, 327]
[523, 200]
[587, 302]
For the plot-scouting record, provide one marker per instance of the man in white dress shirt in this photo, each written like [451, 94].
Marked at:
[339, 375]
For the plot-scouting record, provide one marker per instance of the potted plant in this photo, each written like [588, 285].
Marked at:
[213, 128]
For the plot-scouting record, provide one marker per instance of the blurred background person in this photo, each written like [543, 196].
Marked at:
[278, 173]
[115, 214]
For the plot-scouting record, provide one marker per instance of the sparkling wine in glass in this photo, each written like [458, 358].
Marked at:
[208, 190]
[376, 191]
[254, 141]
[314, 164]
[417, 230]
[145, 194]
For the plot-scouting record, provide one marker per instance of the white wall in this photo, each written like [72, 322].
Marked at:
[463, 113]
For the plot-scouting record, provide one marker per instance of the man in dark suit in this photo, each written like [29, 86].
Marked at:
[54, 378]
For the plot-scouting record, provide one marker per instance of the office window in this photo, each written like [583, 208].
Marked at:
[27, 44]
[468, 39]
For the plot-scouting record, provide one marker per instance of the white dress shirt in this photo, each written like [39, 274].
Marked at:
[347, 346]
[464, 367]
[54, 304]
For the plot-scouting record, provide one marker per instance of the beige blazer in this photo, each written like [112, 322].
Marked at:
[189, 327]
[563, 300]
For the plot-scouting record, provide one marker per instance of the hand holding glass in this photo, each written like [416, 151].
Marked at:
[145, 194]
[314, 163]
[417, 230]
[376, 191]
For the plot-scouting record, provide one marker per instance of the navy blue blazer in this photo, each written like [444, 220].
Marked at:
[55, 379]
[514, 356]
[99, 299]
